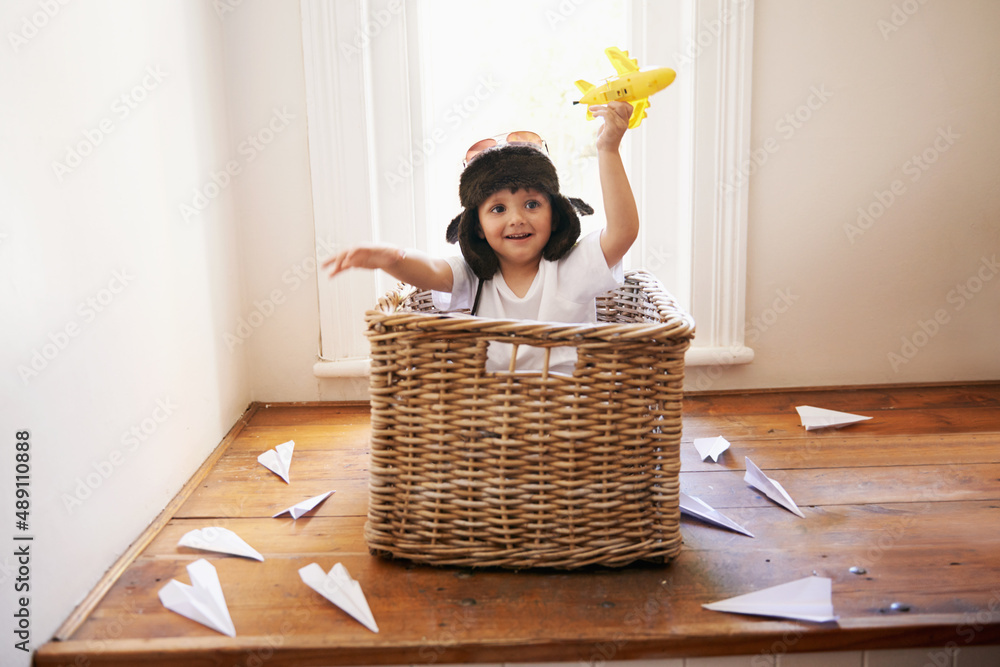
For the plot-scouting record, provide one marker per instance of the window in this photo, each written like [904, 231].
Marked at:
[396, 94]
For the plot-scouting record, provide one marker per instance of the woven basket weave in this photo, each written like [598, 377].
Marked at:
[527, 469]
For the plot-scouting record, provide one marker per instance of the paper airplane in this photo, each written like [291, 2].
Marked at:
[697, 507]
[808, 599]
[299, 509]
[339, 588]
[216, 538]
[279, 459]
[814, 418]
[711, 447]
[770, 488]
[202, 601]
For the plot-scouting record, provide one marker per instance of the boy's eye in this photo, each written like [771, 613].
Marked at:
[532, 204]
[499, 208]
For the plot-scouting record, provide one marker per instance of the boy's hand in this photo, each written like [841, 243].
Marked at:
[615, 116]
[376, 256]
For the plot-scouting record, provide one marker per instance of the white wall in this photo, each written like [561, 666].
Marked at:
[113, 305]
[831, 296]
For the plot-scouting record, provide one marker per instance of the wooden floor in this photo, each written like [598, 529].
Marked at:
[911, 496]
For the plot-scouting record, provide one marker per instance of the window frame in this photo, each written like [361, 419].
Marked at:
[710, 46]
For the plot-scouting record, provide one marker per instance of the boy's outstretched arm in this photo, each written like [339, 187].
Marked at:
[622, 226]
[411, 266]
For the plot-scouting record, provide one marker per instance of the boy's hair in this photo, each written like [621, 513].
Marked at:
[511, 167]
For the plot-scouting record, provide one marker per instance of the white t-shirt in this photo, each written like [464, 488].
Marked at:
[562, 291]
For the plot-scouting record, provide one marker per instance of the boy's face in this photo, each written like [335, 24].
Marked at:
[517, 225]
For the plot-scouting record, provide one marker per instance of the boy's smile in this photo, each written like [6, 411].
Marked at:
[517, 225]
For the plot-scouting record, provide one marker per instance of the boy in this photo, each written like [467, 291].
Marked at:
[518, 236]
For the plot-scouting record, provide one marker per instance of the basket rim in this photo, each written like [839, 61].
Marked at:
[674, 322]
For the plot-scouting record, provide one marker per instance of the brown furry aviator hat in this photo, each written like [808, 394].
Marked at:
[511, 167]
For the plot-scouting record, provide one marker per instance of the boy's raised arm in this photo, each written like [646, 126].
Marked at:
[411, 266]
[622, 226]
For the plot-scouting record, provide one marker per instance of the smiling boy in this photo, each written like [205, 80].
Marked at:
[522, 257]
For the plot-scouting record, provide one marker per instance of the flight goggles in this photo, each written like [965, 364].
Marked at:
[520, 138]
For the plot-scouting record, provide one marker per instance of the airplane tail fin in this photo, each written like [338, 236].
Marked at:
[638, 113]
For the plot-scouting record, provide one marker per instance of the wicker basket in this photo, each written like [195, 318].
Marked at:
[527, 469]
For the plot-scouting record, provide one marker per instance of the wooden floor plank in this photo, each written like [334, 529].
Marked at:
[810, 487]
[985, 395]
[843, 451]
[912, 497]
[888, 423]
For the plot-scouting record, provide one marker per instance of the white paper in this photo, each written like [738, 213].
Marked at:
[279, 459]
[711, 447]
[202, 601]
[815, 418]
[697, 507]
[339, 588]
[301, 508]
[222, 540]
[770, 488]
[808, 599]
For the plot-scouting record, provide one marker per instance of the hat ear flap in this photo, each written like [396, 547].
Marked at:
[565, 229]
[451, 234]
[582, 207]
[477, 252]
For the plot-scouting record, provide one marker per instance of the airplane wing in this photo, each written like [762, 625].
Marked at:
[638, 112]
[623, 64]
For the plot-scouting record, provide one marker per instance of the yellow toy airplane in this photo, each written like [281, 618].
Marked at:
[632, 85]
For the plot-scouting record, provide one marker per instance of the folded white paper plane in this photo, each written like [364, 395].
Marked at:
[279, 459]
[711, 447]
[216, 538]
[339, 588]
[697, 507]
[808, 599]
[770, 488]
[815, 418]
[301, 508]
[202, 601]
